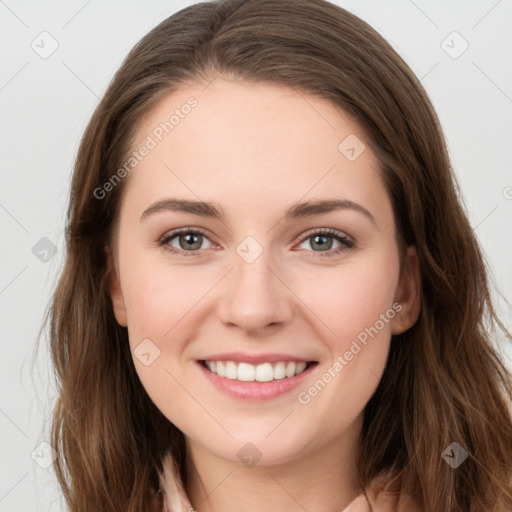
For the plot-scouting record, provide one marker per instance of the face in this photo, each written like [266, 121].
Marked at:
[216, 261]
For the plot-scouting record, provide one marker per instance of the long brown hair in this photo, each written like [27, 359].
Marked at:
[444, 381]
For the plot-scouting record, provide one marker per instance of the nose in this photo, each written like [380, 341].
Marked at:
[255, 297]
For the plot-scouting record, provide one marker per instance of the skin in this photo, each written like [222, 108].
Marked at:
[254, 150]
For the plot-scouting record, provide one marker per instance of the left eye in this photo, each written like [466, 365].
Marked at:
[324, 241]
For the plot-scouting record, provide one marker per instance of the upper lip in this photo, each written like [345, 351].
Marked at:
[243, 357]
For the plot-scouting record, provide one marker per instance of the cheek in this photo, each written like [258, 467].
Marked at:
[357, 304]
[162, 305]
[158, 299]
[352, 298]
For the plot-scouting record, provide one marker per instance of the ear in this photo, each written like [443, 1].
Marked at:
[408, 293]
[115, 291]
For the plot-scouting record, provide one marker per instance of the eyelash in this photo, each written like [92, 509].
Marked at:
[346, 242]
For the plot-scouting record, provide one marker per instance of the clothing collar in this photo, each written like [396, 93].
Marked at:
[374, 499]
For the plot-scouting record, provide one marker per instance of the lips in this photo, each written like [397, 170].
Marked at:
[256, 376]
[257, 390]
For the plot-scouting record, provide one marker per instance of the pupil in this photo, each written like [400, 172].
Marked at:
[322, 245]
[189, 238]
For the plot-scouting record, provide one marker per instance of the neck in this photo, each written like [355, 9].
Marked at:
[323, 480]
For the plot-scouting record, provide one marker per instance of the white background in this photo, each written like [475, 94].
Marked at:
[46, 103]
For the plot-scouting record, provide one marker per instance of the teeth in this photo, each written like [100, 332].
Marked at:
[280, 371]
[246, 372]
[264, 372]
[221, 372]
[231, 370]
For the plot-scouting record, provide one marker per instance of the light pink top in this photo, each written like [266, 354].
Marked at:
[375, 500]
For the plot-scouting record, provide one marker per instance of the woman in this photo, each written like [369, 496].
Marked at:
[264, 302]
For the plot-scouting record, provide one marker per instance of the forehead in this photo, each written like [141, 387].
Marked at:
[252, 144]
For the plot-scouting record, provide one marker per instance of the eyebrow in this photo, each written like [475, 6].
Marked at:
[295, 211]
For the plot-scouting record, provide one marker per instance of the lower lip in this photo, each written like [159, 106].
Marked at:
[256, 390]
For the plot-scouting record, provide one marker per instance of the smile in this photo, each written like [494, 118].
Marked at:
[264, 372]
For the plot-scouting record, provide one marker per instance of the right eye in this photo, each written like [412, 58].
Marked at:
[189, 241]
